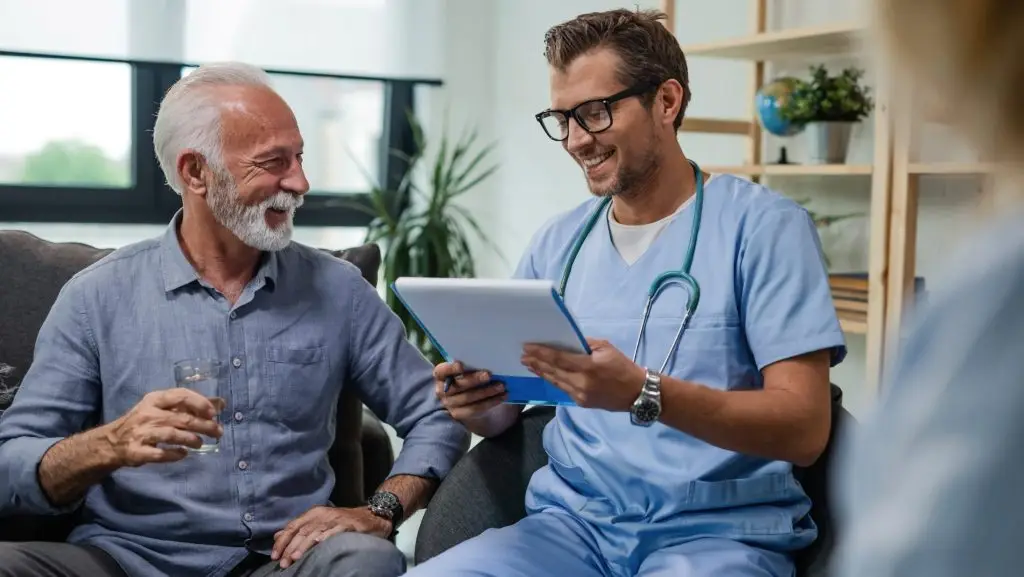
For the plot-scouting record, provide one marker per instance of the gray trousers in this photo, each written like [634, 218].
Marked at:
[343, 555]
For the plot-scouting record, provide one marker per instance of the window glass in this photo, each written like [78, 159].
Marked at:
[49, 138]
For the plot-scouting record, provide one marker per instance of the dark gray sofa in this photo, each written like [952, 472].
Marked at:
[32, 272]
[487, 489]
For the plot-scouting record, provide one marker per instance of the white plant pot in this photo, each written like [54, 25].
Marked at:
[828, 142]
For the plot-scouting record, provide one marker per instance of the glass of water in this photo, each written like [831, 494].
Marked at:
[205, 377]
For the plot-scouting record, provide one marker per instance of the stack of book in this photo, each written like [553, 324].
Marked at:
[850, 295]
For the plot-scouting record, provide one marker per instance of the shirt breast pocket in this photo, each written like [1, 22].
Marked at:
[299, 379]
[711, 350]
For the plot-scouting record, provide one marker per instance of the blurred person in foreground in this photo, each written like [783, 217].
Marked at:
[931, 483]
[662, 467]
[98, 426]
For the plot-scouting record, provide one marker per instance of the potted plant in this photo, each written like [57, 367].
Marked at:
[827, 107]
[419, 226]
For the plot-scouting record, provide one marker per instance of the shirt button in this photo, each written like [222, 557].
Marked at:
[247, 517]
[243, 465]
[237, 362]
[239, 416]
[234, 314]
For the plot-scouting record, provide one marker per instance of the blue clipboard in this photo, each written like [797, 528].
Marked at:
[484, 324]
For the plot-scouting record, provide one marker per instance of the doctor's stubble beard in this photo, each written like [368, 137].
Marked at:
[632, 180]
[248, 222]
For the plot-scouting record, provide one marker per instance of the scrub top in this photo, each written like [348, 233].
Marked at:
[765, 297]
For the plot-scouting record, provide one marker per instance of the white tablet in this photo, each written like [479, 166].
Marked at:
[484, 324]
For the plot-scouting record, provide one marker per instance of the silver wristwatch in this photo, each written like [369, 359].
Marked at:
[647, 407]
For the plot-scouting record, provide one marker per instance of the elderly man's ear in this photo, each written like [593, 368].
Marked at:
[192, 169]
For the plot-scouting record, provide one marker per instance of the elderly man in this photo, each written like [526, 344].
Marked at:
[99, 424]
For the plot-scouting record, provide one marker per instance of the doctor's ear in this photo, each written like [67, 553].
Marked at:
[669, 100]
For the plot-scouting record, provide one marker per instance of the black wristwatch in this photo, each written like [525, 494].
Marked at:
[386, 505]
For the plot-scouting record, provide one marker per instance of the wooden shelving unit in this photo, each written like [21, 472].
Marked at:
[854, 327]
[762, 46]
[808, 170]
[798, 43]
[951, 168]
[906, 177]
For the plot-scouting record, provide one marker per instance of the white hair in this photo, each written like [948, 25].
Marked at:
[189, 115]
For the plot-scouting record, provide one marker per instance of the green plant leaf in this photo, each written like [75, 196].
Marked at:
[422, 232]
[827, 97]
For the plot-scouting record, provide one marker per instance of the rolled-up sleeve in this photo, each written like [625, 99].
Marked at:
[58, 397]
[397, 384]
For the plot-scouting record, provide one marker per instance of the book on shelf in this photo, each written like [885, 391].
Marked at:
[850, 294]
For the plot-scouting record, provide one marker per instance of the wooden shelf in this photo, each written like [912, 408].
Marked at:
[853, 327]
[717, 126]
[793, 170]
[936, 168]
[813, 41]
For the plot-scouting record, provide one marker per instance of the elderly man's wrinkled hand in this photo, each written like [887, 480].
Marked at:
[319, 523]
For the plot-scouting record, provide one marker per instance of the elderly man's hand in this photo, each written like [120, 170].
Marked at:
[318, 524]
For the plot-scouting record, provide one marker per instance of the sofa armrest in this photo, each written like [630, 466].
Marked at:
[378, 454]
[486, 488]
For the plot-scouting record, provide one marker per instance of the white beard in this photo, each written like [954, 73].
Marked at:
[249, 223]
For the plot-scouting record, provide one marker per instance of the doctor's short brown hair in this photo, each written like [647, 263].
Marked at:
[649, 52]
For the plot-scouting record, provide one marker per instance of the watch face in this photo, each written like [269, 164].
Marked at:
[384, 502]
[646, 410]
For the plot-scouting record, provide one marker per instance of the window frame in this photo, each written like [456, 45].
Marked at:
[150, 201]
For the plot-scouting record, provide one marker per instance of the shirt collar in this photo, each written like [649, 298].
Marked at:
[178, 272]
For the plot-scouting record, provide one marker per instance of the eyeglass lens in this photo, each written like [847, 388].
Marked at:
[591, 116]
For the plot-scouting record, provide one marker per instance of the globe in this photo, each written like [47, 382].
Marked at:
[769, 102]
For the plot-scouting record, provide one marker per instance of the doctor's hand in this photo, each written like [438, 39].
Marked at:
[605, 379]
[471, 395]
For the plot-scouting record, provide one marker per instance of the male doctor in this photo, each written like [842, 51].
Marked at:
[685, 471]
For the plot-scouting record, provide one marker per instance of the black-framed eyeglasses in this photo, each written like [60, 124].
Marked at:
[593, 115]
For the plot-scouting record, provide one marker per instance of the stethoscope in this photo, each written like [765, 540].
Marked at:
[682, 275]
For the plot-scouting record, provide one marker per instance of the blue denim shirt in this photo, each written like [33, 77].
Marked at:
[306, 325]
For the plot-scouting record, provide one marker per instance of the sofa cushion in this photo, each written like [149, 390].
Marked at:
[34, 270]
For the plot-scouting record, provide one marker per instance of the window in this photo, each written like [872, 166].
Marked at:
[53, 140]
[76, 144]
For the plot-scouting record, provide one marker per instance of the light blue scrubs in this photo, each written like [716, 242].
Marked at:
[619, 500]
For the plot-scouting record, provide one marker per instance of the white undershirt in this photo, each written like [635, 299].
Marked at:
[633, 240]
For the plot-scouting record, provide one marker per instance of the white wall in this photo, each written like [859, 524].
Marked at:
[496, 77]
